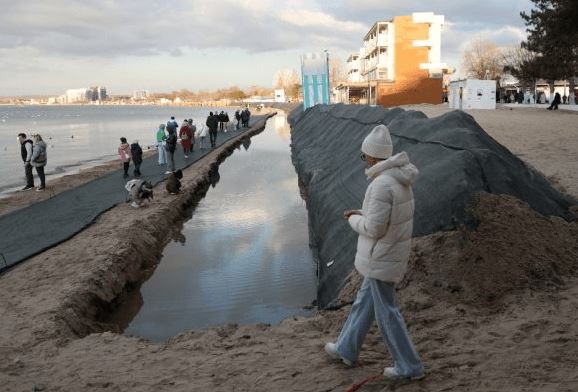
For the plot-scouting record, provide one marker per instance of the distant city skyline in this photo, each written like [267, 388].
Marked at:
[49, 47]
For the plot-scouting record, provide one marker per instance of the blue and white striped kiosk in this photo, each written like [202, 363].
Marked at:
[315, 75]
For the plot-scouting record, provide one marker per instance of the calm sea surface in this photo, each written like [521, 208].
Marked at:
[80, 136]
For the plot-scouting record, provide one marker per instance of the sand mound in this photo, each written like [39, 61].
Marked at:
[456, 159]
[513, 249]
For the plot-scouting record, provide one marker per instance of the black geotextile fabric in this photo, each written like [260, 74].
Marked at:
[31, 230]
[456, 159]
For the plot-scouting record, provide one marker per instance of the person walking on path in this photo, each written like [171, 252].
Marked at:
[186, 136]
[202, 136]
[172, 124]
[213, 124]
[193, 129]
[161, 137]
[136, 154]
[555, 102]
[238, 118]
[384, 225]
[226, 117]
[26, 152]
[39, 159]
[171, 146]
[124, 155]
[245, 117]
[222, 121]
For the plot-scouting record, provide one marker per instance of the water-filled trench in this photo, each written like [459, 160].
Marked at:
[242, 258]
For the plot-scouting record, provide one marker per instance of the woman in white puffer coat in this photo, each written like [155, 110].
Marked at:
[385, 225]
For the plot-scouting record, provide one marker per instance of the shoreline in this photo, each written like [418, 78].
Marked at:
[12, 198]
[120, 264]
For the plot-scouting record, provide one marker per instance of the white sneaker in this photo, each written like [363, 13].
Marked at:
[392, 374]
[331, 350]
[133, 204]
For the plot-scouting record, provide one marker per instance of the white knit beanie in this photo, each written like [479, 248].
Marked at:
[378, 143]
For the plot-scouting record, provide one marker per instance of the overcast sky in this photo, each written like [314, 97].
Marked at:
[47, 46]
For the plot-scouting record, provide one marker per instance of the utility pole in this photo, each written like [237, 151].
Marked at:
[328, 76]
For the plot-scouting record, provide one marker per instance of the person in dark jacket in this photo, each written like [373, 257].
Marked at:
[173, 182]
[245, 117]
[213, 124]
[226, 121]
[555, 102]
[221, 121]
[26, 152]
[136, 153]
[238, 118]
[172, 124]
[171, 146]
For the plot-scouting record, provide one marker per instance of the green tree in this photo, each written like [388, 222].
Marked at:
[553, 34]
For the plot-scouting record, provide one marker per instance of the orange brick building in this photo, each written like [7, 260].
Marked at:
[398, 64]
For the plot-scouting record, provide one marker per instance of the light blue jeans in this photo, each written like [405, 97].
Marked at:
[376, 301]
[162, 152]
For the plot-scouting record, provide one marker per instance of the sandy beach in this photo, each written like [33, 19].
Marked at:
[490, 309]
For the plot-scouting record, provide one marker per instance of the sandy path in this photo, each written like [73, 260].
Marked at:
[547, 140]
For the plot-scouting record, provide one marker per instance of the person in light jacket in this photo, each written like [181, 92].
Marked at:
[161, 137]
[384, 225]
[124, 155]
[39, 159]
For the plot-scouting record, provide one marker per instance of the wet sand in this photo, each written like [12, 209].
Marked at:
[521, 337]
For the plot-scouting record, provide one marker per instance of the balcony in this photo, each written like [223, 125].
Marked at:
[424, 43]
[353, 65]
[434, 67]
[371, 63]
[383, 40]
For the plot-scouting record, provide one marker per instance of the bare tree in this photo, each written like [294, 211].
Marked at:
[288, 79]
[522, 64]
[336, 72]
[482, 60]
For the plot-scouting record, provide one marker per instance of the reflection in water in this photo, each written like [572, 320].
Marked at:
[132, 304]
[282, 127]
[246, 143]
[246, 258]
[214, 176]
[180, 238]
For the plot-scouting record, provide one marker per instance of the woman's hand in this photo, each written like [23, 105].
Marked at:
[348, 213]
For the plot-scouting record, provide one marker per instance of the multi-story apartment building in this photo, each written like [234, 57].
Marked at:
[140, 94]
[399, 63]
[85, 94]
[353, 74]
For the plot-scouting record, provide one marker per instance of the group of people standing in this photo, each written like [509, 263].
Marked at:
[243, 117]
[128, 152]
[34, 152]
[167, 139]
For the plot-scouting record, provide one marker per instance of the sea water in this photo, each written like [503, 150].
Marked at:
[80, 136]
[243, 257]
